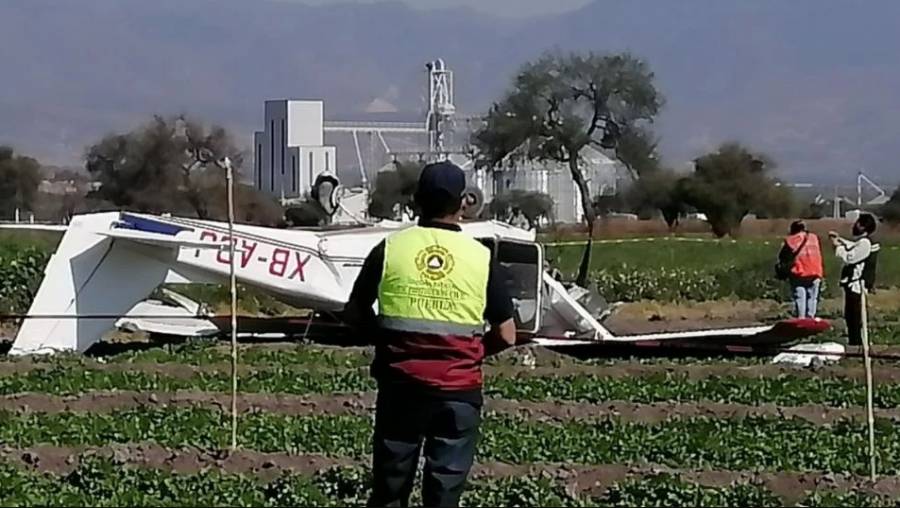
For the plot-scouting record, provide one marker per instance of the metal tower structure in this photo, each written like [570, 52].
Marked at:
[880, 199]
[861, 200]
[440, 119]
[441, 111]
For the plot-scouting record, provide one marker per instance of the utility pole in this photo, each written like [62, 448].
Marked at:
[836, 205]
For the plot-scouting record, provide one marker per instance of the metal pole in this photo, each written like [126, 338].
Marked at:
[229, 176]
[867, 360]
[836, 205]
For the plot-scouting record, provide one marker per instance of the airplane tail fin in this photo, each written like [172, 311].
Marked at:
[91, 277]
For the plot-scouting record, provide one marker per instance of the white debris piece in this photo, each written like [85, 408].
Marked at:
[178, 315]
[808, 355]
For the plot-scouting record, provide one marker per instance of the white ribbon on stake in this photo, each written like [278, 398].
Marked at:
[867, 361]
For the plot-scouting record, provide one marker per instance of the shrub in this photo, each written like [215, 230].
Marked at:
[747, 282]
[21, 273]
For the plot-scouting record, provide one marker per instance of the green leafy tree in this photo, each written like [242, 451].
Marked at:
[730, 183]
[776, 202]
[637, 150]
[815, 210]
[562, 103]
[394, 189]
[657, 192]
[306, 214]
[890, 211]
[609, 203]
[168, 165]
[20, 178]
[535, 206]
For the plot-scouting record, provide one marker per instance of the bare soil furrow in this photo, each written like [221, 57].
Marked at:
[591, 479]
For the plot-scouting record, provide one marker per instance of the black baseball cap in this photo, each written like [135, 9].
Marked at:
[441, 178]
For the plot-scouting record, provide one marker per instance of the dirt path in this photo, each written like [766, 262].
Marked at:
[593, 479]
[361, 405]
[655, 317]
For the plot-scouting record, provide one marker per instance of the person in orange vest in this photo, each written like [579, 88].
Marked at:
[801, 259]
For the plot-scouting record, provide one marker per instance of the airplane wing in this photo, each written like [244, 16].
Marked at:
[726, 339]
[161, 240]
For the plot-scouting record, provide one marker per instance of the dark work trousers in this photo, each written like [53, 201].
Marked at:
[853, 316]
[404, 420]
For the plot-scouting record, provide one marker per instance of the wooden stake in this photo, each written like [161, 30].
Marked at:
[870, 412]
[229, 176]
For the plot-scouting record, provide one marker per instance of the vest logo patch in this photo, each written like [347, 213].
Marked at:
[434, 262]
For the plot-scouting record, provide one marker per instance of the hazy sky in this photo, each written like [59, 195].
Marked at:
[500, 7]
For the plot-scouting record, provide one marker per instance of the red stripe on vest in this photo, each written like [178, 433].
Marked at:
[445, 362]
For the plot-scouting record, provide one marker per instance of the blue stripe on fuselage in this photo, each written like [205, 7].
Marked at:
[128, 221]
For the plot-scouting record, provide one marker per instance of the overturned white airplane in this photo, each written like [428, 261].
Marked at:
[107, 264]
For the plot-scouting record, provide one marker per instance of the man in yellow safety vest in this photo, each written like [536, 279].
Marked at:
[436, 288]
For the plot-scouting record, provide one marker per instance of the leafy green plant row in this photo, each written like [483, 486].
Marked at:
[204, 352]
[102, 482]
[21, 272]
[627, 284]
[665, 490]
[740, 268]
[746, 444]
[784, 390]
[71, 379]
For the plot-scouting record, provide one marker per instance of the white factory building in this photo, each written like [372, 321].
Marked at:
[605, 177]
[297, 145]
[290, 152]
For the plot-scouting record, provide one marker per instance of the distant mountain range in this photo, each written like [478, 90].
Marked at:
[815, 83]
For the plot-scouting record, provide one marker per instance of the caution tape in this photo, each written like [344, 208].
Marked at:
[642, 240]
[667, 239]
[9, 317]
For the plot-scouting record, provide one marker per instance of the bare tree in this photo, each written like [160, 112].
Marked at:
[168, 165]
[562, 103]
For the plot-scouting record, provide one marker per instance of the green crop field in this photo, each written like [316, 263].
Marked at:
[696, 269]
[149, 426]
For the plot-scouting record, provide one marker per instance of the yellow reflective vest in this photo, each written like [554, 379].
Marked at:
[434, 281]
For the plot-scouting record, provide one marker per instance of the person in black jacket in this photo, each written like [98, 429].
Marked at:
[428, 352]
